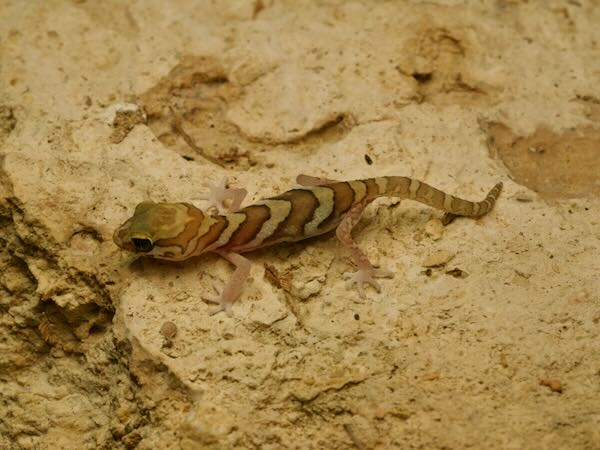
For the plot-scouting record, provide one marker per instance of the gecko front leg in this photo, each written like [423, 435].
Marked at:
[219, 193]
[366, 272]
[233, 288]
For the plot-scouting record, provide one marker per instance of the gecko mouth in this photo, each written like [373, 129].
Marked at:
[130, 260]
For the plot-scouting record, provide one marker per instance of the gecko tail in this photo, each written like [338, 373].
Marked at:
[422, 192]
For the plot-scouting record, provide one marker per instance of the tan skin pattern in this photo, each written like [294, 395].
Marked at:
[177, 231]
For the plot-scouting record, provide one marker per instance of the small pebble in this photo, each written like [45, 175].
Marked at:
[168, 330]
[552, 383]
[434, 229]
[438, 258]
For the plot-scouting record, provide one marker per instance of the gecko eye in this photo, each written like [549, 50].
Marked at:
[142, 245]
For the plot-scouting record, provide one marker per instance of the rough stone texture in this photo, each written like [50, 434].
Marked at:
[496, 348]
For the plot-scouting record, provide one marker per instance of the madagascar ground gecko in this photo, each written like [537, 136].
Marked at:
[177, 231]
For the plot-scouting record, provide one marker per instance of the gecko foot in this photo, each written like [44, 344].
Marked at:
[362, 276]
[219, 193]
[221, 303]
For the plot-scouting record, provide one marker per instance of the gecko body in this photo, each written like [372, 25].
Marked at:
[178, 231]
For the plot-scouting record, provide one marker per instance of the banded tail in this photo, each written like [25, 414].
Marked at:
[347, 193]
[419, 191]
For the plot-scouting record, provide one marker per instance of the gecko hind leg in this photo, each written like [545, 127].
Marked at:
[219, 193]
[366, 272]
[308, 180]
[233, 288]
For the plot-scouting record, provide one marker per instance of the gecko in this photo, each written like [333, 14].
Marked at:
[178, 231]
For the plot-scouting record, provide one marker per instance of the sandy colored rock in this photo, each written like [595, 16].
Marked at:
[437, 258]
[553, 384]
[458, 94]
[434, 228]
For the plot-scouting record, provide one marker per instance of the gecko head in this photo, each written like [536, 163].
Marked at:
[161, 230]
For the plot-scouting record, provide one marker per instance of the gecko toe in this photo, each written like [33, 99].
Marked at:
[220, 306]
[382, 273]
[214, 310]
[212, 298]
[361, 290]
[375, 285]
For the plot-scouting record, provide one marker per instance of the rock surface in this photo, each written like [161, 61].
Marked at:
[95, 355]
